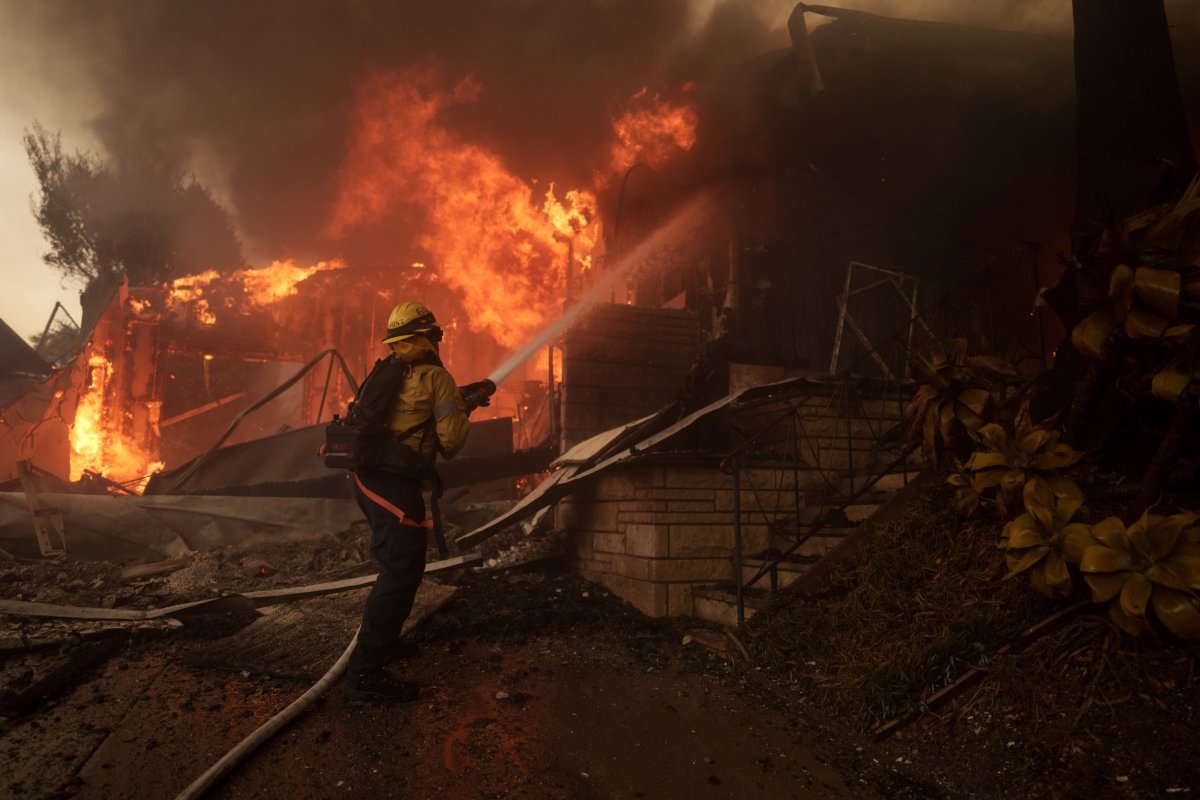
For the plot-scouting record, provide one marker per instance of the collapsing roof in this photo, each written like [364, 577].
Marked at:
[16, 356]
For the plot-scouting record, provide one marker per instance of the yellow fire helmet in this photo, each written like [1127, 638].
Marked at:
[409, 319]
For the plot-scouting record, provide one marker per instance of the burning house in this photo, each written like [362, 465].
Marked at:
[808, 159]
[823, 196]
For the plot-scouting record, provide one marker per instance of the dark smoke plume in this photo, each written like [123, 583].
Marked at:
[259, 94]
[255, 97]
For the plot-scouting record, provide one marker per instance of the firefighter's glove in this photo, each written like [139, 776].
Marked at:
[478, 394]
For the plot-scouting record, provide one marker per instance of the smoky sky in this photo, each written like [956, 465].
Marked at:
[260, 93]
[255, 96]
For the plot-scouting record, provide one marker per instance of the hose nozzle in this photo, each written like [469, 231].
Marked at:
[478, 394]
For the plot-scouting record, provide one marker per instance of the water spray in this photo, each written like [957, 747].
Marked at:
[664, 235]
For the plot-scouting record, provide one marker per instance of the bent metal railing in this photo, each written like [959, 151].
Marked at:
[886, 452]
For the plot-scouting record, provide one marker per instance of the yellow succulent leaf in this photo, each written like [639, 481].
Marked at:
[1120, 290]
[1090, 335]
[1138, 534]
[967, 501]
[1068, 497]
[1141, 325]
[1111, 531]
[994, 436]
[1131, 625]
[1021, 537]
[1106, 587]
[1039, 502]
[1144, 219]
[1078, 537]
[1169, 384]
[1179, 612]
[988, 478]
[946, 417]
[1037, 579]
[1164, 575]
[1187, 567]
[1104, 559]
[1178, 333]
[1165, 535]
[1060, 456]
[1034, 440]
[969, 419]
[1057, 576]
[976, 399]
[986, 460]
[1158, 289]
[1135, 595]
[1012, 480]
[1027, 560]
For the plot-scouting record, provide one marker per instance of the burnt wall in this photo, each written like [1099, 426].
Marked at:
[622, 363]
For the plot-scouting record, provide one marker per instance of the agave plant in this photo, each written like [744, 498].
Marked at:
[1000, 470]
[1130, 297]
[1144, 304]
[954, 398]
[1152, 564]
[1036, 542]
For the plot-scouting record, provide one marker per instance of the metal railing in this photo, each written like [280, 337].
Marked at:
[886, 452]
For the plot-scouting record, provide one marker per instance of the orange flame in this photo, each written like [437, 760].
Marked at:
[489, 238]
[262, 286]
[272, 284]
[651, 130]
[96, 441]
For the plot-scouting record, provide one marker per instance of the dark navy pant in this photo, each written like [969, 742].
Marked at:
[395, 510]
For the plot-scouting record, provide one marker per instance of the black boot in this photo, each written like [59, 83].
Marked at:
[379, 687]
[402, 650]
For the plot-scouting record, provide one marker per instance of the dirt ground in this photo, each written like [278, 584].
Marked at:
[536, 684]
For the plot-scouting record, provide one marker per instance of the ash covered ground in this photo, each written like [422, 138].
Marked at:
[536, 684]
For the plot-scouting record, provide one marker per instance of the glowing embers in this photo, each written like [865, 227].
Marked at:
[98, 443]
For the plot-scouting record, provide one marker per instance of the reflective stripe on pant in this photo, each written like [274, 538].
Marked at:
[395, 510]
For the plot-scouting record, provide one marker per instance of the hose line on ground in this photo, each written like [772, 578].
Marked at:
[228, 762]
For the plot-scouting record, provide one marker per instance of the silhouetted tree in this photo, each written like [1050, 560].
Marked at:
[152, 223]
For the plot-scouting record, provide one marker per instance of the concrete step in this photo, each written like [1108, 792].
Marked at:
[861, 511]
[787, 572]
[719, 604]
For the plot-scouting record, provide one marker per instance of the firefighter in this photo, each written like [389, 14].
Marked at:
[428, 417]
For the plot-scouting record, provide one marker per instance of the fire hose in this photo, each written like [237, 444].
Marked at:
[228, 762]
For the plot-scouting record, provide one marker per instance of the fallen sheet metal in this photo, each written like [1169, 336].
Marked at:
[550, 490]
[151, 528]
[206, 521]
[99, 527]
[244, 601]
[605, 450]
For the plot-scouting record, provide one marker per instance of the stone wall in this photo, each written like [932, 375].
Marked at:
[653, 530]
[622, 363]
